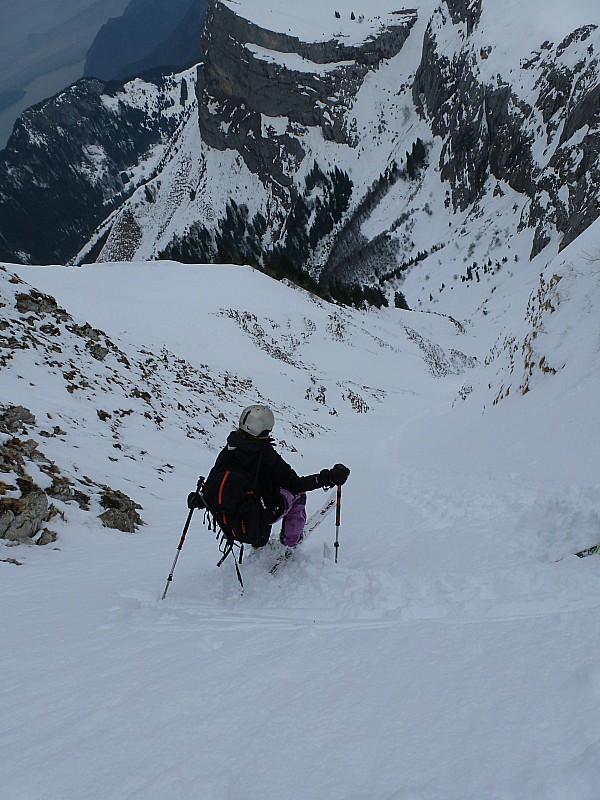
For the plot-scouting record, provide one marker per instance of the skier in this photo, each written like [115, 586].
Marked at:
[280, 490]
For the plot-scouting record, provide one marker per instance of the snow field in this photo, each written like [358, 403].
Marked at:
[313, 671]
[448, 655]
[316, 20]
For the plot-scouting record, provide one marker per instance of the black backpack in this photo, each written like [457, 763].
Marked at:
[230, 496]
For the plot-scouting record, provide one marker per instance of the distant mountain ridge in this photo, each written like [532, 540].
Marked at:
[452, 129]
[149, 34]
[74, 158]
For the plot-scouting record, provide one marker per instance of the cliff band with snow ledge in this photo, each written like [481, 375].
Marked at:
[254, 71]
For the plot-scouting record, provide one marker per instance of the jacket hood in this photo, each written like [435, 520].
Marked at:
[246, 450]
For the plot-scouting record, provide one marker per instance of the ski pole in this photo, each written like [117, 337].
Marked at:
[338, 513]
[185, 530]
[181, 541]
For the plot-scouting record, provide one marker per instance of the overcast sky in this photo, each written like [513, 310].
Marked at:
[42, 48]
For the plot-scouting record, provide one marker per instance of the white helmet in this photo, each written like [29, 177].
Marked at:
[257, 420]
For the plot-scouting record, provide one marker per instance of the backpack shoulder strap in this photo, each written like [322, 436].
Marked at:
[258, 466]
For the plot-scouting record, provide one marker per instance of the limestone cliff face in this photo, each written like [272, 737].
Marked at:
[490, 129]
[250, 73]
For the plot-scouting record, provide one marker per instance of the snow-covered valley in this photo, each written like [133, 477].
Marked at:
[452, 651]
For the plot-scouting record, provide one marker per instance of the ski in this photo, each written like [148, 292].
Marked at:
[319, 515]
[590, 551]
[312, 523]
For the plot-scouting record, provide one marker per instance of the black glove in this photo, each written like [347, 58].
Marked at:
[194, 500]
[336, 476]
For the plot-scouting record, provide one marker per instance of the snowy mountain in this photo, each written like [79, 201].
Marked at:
[356, 146]
[451, 653]
[73, 158]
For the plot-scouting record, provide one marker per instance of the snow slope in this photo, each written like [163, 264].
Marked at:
[316, 20]
[451, 654]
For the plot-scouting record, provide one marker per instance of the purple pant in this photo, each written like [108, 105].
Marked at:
[294, 517]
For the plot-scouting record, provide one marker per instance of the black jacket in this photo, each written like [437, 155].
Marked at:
[274, 472]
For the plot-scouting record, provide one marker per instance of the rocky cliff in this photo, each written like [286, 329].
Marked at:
[544, 143]
[250, 73]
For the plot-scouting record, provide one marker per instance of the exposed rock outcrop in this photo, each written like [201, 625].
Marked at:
[468, 11]
[15, 418]
[488, 129]
[121, 511]
[21, 518]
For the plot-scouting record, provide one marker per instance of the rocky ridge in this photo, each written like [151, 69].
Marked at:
[544, 145]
